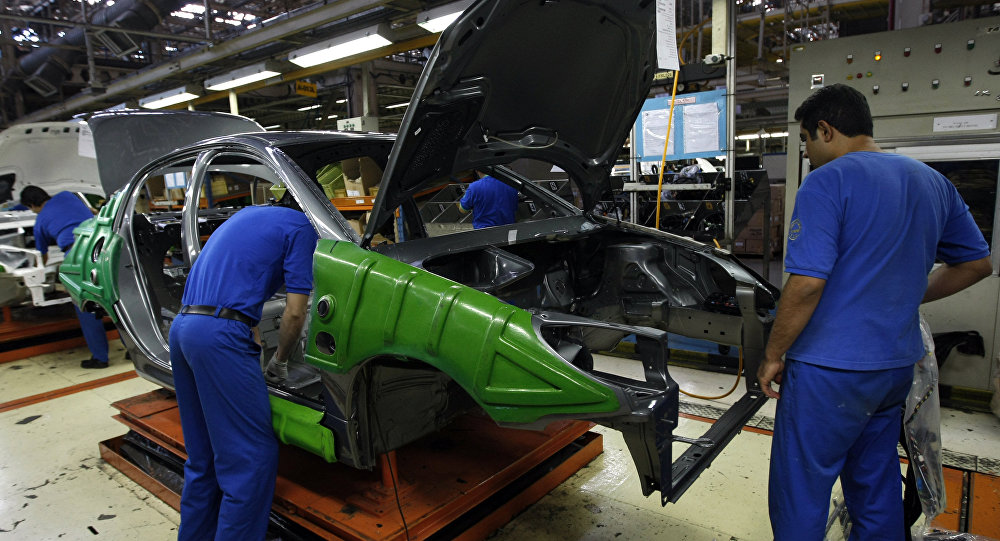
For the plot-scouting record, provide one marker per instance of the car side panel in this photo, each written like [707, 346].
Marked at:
[380, 306]
[90, 276]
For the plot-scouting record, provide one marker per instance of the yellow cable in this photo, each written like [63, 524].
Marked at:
[717, 245]
[666, 140]
[739, 372]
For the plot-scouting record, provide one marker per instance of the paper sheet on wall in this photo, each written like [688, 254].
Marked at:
[666, 36]
[701, 127]
[85, 142]
[654, 129]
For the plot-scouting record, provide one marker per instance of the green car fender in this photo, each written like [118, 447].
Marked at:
[366, 305]
[89, 270]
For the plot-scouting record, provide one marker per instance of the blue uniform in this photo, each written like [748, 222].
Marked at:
[492, 202]
[55, 224]
[225, 410]
[871, 224]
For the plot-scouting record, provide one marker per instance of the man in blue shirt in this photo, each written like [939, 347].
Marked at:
[492, 202]
[865, 232]
[225, 411]
[58, 216]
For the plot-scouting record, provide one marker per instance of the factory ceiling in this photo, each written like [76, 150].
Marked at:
[59, 58]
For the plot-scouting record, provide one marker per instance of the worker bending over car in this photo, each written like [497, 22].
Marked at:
[58, 216]
[225, 411]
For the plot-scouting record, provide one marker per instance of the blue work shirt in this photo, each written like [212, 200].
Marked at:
[871, 224]
[248, 257]
[58, 218]
[492, 202]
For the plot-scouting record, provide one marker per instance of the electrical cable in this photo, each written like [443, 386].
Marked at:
[666, 141]
[739, 373]
[392, 474]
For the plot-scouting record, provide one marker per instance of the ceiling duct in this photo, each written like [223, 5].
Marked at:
[119, 43]
[45, 69]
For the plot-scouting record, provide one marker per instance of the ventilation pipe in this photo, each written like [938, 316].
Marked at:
[45, 69]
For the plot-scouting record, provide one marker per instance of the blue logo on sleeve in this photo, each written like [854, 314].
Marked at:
[795, 229]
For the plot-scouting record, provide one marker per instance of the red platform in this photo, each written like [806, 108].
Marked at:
[462, 482]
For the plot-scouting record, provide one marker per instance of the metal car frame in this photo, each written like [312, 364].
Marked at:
[385, 331]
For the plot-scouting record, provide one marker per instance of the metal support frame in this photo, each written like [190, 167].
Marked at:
[280, 30]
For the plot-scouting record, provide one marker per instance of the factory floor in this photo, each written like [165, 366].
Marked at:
[54, 485]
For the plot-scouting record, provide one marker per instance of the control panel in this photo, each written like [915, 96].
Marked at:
[944, 68]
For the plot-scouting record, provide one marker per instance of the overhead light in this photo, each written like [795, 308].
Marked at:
[748, 137]
[397, 105]
[243, 76]
[437, 19]
[342, 100]
[343, 46]
[272, 127]
[332, 116]
[170, 97]
[310, 107]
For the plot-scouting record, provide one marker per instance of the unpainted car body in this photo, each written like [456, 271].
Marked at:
[403, 336]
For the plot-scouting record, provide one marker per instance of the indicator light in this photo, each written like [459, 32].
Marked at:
[937, 48]
[906, 51]
[869, 74]
[850, 58]
[860, 75]
[967, 80]
[878, 55]
[850, 77]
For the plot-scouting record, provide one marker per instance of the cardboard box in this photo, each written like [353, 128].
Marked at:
[360, 174]
[356, 226]
[355, 188]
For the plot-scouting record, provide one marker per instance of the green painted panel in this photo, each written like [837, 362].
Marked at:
[380, 306]
[298, 425]
[90, 278]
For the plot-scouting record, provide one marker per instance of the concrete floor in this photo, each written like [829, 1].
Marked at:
[53, 484]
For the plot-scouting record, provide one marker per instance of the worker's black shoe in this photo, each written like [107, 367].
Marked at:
[92, 363]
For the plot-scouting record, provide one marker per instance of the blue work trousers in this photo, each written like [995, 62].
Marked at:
[226, 419]
[832, 422]
[93, 332]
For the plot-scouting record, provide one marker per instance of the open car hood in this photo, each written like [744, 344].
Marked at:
[559, 82]
[126, 140]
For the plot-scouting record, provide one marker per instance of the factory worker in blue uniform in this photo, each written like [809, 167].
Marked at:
[491, 202]
[225, 412]
[58, 216]
[865, 232]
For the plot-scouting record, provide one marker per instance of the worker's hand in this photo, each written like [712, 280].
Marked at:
[770, 370]
[276, 371]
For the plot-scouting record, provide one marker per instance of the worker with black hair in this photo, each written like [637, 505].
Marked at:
[866, 230]
[225, 411]
[58, 216]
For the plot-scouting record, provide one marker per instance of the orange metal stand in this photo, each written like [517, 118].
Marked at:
[460, 483]
[27, 332]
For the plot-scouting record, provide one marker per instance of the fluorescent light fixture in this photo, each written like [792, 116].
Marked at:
[332, 116]
[272, 127]
[310, 107]
[748, 137]
[243, 76]
[342, 100]
[170, 97]
[397, 105]
[343, 46]
[437, 19]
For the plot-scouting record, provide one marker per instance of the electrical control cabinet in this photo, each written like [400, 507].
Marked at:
[934, 94]
[939, 71]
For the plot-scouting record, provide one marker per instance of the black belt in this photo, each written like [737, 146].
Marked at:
[215, 311]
